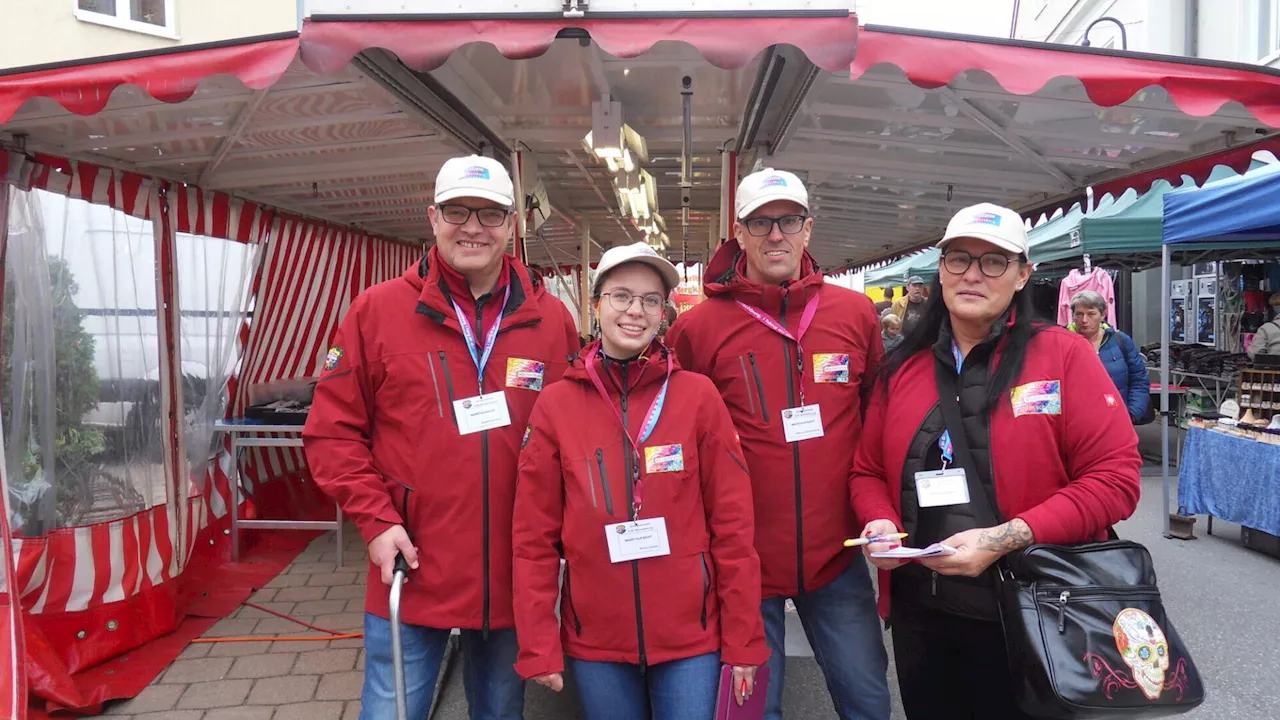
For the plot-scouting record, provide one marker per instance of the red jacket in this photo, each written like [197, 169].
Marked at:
[574, 481]
[1069, 475]
[801, 489]
[382, 441]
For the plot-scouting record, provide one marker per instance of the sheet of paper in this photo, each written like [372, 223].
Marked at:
[482, 412]
[906, 553]
[802, 423]
[637, 540]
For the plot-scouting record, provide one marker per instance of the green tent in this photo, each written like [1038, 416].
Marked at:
[924, 264]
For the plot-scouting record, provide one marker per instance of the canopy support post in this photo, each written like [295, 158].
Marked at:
[584, 278]
[728, 196]
[518, 249]
[1164, 383]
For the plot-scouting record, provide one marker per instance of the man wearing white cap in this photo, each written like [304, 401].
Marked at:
[794, 358]
[415, 430]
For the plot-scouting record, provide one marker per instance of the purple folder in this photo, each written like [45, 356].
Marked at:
[727, 706]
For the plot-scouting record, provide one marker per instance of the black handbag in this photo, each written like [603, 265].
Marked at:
[1085, 628]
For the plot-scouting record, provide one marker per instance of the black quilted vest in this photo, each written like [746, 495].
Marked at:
[914, 585]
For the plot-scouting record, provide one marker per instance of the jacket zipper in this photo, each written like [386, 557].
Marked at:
[568, 596]
[484, 475]
[448, 385]
[435, 384]
[706, 587]
[604, 481]
[795, 452]
[755, 371]
[751, 404]
[632, 470]
[1085, 594]
[591, 483]
[404, 505]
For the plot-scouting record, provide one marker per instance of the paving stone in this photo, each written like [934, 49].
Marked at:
[360, 662]
[286, 581]
[310, 711]
[244, 712]
[326, 661]
[347, 621]
[356, 643]
[312, 567]
[216, 694]
[302, 594]
[283, 690]
[280, 626]
[239, 649]
[195, 650]
[299, 645]
[329, 578]
[153, 698]
[346, 592]
[264, 595]
[355, 605]
[231, 627]
[340, 686]
[171, 715]
[353, 711]
[320, 607]
[261, 666]
[197, 670]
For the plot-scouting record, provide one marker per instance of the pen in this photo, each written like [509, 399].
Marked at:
[877, 539]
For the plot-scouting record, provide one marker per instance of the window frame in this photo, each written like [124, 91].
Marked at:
[123, 21]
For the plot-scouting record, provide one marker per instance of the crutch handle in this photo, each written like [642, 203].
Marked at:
[401, 566]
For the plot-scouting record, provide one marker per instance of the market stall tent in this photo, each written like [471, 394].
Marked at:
[320, 149]
[896, 273]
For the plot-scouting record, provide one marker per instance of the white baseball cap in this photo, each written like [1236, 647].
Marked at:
[635, 252]
[766, 186]
[997, 225]
[476, 177]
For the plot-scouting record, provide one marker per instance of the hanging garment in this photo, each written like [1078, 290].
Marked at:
[1098, 280]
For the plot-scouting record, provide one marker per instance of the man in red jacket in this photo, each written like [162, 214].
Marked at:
[794, 359]
[415, 430]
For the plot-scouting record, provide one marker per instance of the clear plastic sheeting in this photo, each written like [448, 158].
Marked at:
[83, 441]
[215, 279]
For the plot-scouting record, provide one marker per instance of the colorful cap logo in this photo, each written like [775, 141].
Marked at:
[773, 181]
[476, 172]
[991, 219]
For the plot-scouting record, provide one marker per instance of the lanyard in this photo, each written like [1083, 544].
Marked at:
[806, 319]
[944, 442]
[480, 359]
[646, 429]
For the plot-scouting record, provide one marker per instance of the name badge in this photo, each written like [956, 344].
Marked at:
[937, 488]
[525, 374]
[637, 540]
[802, 423]
[482, 412]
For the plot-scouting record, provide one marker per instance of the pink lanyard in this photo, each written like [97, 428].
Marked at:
[806, 319]
[646, 429]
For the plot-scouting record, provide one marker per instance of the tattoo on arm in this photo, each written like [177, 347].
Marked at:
[1003, 539]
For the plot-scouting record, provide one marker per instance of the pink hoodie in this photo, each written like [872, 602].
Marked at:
[1098, 280]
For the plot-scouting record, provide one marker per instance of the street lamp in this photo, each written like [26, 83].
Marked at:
[1124, 36]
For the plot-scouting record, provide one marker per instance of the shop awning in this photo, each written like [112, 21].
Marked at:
[1242, 210]
[896, 273]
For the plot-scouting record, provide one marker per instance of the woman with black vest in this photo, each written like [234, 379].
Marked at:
[1047, 433]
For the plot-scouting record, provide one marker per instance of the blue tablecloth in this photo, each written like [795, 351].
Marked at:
[1232, 478]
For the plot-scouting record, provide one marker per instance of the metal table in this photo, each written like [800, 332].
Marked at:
[249, 434]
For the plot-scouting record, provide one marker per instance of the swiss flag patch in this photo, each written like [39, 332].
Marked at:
[1111, 399]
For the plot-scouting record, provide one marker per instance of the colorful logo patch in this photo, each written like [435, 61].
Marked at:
[773, 181]
[986, 219]
[1144, 649]
[476, 172]
[831, 367]
[525, 374]
[663, 458]
[1037, 398]
[331, 360]
[1111, 399]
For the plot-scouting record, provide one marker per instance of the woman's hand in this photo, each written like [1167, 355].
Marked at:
[555, 681]
[744, 682]
[977, 549]
[881, 527]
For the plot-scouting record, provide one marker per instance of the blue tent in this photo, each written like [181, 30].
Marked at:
[1239, 210]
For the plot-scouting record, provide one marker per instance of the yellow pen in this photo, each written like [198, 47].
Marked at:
[857, 542]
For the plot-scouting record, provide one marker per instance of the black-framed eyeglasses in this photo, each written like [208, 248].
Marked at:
[762, 226]
[992, 264]
[621, 301]
[460, 214]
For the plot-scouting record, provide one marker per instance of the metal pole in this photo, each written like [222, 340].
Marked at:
[1164, 381]
[686, 170]
[1013, 25]
[518, 249]
[584, 276]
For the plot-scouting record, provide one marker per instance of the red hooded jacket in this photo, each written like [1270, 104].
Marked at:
[801, 488]
[576, 478]
[1069, 474]
[381, 438]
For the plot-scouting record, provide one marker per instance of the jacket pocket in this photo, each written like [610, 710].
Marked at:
[755, 373]
[604, 480]
[706, 587]
[403, 506]
[435, 383]
[568, 601]
[448, 385]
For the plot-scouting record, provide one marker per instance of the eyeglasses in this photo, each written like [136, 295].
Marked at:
[992, 264]
[621, 301]
[763, 226]
[460, 214]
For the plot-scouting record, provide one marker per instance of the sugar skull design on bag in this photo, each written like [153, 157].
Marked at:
[1145, 650]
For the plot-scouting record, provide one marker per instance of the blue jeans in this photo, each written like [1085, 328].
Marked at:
[676, 690]
[494, 690]
[843, 628]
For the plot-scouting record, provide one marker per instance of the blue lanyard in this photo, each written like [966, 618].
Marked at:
[480, 359]
[944, 442]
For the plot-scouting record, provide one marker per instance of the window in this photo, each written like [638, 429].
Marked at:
[1268, 28]
[154, 17]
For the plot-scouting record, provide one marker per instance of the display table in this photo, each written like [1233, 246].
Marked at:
[1230, 477]
[249, 433]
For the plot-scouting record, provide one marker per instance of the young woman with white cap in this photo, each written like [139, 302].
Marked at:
[632, 469]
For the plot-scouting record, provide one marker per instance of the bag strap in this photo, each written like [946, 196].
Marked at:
[986, 514]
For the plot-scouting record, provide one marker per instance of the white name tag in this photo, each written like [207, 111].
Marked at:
[637, 540]
[802, 423]
[937, 488]
[482, 412]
